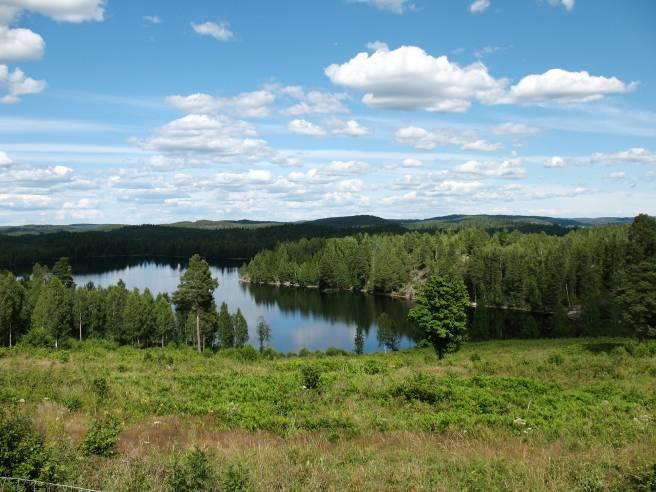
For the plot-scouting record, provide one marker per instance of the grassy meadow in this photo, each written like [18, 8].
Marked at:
[566, 414]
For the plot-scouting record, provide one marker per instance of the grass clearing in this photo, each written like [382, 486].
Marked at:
[562, 414]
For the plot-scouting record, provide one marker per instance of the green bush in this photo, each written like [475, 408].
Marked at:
[332, 351]
[38, 337]
[235, 479]
[22, 450]
[102, 437]
[100, 388]
[643, 480]
[373, 366]
[474, 357]
[192, 472]
[422, 387]
[311, 377]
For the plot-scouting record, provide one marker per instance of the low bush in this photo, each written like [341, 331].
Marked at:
[193, 472]
[22, 450]
[311, 377]
[102, 437]
[38, 337]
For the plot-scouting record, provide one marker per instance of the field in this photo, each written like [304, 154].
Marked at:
[569, 414]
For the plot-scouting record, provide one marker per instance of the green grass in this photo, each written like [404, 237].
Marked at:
[506, 415]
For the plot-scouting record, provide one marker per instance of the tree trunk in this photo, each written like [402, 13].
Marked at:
[198, 329]
[10, 334]
[80, 326]
[56, 342]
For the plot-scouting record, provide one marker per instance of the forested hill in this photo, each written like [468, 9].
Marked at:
[25, 245]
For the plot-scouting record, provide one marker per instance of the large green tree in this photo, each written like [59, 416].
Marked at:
[263, 331]
[225, 329]
[637, 296]
[195, 291]
[441, 313]
[240, 327]
[54, 310]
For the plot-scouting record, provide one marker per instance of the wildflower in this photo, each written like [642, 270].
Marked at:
[519, 422]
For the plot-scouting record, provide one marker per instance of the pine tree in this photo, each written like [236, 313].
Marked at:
[263, 332]
[226, 334]
[195, 291]
[64, 272]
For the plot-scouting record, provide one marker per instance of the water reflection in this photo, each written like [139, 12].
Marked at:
[311, 319]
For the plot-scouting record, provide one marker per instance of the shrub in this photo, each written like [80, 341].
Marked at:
[102, 437]
[235, 479]
[555, 359]
[100, 388]
[422, 387]
[192, 472]
[38, 337]
[22, 450]
[644, 480]
[474, 357]
[373, 366]
[311, 377]
[332, 351]
[72, 403]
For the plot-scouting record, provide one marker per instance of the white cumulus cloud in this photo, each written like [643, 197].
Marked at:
[424, 139]
[15, 84]
[394, 6]
[220, 31]
[304, 127]
[479, 6]
[20, 44]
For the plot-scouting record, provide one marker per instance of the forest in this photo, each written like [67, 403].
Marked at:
[589, 273]
[46, 309]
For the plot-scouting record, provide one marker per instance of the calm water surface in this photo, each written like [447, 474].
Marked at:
[307, 318]
[299, 318]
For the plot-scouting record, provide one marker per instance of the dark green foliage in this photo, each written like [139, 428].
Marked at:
[643, 480]
[53, 310]
[38, 337]
[424, 388]
[440, 313]
[226, 332]
[100, 388]
[263, 331]
[102, 437]
[64, 272]
[637, 295]
[12, 298]
[236, 479]
[22, 450]
[240, 327]
[311, 376]
[192, 472]
[195, 291]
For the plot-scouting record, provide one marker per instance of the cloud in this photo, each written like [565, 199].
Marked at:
[246, 105]
[394, 6]
[617, 175]
[377, 46]
[5, 160]
[568, 4]
[409, 162]
[510, 168]
[351, 128]
[479, 6]
[16, 84]
[561, 86]
[21, 201]
[409, 78]
[555, 161]
[313, 101]
[219, 31]
[303, 127]
[636, 155]
[153, 19]
[75, 11]
[20, 44]
[424, 139]
[515, 129]
[35, 177]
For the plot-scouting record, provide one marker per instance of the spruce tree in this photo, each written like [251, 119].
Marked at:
[240, 328]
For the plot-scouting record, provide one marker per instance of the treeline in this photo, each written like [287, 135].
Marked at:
[165, 241]
[46, 308]
[581, 272]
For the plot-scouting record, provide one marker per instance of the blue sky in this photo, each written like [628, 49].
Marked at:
[150, 112]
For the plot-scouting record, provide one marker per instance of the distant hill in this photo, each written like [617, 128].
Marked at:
[213, 225]
[525, 223]
[352, 221]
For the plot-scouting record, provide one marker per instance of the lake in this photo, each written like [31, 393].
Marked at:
[308, 318]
